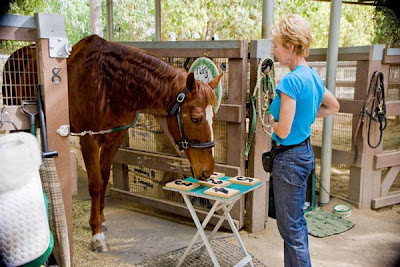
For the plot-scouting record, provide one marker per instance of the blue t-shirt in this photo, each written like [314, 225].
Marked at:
[304, 85]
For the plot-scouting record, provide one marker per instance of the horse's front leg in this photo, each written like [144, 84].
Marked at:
[108, 150]
[90, 153]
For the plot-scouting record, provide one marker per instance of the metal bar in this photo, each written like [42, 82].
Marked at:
[201, 230]
[267, 19]
[96, 25]
[332, 58]
[157, 4]
[110, 20]
[17, 21]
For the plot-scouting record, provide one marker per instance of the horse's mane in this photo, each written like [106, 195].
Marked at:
[129, 74]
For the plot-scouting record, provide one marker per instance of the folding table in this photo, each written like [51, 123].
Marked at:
[226, 204]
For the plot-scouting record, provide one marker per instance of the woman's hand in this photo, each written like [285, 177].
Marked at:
[329, 105]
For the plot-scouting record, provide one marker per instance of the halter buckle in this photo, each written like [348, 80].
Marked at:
[183, 144]
[180, 97]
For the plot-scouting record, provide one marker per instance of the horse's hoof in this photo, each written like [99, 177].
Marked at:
[101, 249]
[104, 227]
[99, 244]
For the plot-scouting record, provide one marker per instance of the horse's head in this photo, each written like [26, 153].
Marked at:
[191, 124]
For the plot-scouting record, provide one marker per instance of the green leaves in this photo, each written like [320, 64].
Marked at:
[222, 19]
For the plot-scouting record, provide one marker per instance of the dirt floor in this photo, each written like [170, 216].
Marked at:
[138, 233]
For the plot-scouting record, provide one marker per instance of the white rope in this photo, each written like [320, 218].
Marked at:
[90, 132]
[261, 110]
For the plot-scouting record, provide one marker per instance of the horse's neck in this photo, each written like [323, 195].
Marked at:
[157, 90]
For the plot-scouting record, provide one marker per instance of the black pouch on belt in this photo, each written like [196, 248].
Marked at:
[268, 159]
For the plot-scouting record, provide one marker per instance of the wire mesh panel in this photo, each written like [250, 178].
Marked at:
[18, 72]
[393, 90]
[339, 185]
[391, 135]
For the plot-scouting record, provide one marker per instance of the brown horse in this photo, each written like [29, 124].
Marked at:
[109, 83]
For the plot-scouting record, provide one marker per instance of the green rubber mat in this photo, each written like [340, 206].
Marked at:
[321, 223]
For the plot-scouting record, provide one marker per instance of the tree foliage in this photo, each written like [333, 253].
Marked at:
[387, 19]
[221, 19]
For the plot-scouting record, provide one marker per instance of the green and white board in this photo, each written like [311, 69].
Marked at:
[205, 70]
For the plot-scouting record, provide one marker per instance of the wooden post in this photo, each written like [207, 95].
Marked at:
[55, 97]
[53, 79]
[364, 183]
[257, 200]
[235, 132]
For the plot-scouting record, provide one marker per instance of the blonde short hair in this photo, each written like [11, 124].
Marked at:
[295, 30]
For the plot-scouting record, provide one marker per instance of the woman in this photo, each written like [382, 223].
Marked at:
[301, 97]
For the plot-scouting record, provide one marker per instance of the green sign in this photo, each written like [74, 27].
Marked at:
[205, 70]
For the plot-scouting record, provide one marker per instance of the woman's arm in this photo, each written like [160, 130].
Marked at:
[286, 116]
[329, 105]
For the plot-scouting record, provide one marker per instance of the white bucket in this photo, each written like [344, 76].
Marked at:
[342, 210]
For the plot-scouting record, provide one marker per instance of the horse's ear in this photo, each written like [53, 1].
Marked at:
[190, 82]
[215, 81]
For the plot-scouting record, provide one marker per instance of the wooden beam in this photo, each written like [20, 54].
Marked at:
[213, 49]
[350, 106]
[392, 60]
[18, 34]
[391, 56]
[229, 113]
[341, 157]
[387, 159]
[389, 179]
[392, 198]
[164, 162]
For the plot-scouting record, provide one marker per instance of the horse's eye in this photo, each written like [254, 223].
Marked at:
[196, 120]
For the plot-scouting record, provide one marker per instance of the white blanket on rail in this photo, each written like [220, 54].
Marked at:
[24, 228]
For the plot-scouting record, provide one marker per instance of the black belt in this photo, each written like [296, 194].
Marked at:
[278, 148]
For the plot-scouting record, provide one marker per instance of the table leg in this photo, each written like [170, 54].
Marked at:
[200, 230]
[236, 233]
[217, 226]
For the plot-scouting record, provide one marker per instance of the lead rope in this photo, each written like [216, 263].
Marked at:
[264, 72]
[89, 132]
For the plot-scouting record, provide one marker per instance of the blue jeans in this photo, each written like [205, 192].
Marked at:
[289, 176]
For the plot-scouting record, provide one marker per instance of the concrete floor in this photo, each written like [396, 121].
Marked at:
[137, 233]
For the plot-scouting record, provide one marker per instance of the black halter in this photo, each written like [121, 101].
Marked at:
[184, 143]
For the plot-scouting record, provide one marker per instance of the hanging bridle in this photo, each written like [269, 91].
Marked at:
[184, 143]
[376, 94]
